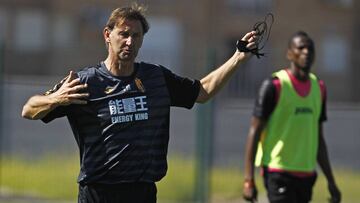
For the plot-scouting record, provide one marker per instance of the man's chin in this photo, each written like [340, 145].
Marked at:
[306, 68]
[305, 65]
[126, 58]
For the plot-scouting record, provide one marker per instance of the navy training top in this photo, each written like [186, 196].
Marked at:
[123, 131]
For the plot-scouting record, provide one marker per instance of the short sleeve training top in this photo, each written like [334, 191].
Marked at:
[123, 130]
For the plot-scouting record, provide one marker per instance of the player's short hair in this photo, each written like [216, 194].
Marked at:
[135, 12]
[298, 34]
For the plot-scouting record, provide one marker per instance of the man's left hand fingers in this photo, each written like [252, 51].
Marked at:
[253, 38]
[251, 45]
[248, 35]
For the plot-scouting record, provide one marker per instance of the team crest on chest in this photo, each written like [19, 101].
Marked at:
[139, 85]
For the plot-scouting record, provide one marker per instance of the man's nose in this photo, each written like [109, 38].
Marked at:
[305, 50]
[129, 40]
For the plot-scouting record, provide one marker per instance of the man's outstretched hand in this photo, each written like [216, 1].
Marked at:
[247, 43]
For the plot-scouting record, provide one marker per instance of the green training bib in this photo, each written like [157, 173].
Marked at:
[290, 139]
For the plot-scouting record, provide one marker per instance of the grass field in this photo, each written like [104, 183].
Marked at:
[55, 178]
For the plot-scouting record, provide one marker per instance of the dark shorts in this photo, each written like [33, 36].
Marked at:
[286, 188]
[119, 193]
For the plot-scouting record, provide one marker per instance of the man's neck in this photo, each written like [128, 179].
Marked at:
[299, 73]
[119, 68]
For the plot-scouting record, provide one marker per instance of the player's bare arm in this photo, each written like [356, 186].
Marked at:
[323, 160]
[39, 106]
[215, 80]
[249, 187]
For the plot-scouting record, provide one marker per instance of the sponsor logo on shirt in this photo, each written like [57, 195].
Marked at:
[126, 89]
[128, 109]
[109, 90]
[303, 110]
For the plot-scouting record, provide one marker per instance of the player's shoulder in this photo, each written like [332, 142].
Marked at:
[270, 80]
[88, 71]
[150, 66]
[319, 80]
[269, 84]
[151, 69]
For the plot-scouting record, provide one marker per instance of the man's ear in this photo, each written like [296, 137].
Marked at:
[106, 33]
[289, 55]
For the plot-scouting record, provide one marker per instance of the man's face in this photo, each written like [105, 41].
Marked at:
[126, 39]
[302, 52]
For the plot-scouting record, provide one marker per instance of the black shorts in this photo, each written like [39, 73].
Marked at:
[138, 192]
[286, 188]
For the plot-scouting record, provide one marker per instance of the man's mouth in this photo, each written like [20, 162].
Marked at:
[127, 52]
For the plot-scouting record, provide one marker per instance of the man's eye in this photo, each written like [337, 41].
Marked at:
[301, 47]
[124, 34]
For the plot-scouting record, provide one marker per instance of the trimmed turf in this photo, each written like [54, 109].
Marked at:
[54, 177]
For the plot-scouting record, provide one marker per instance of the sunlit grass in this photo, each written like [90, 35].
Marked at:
[54, 177]
[348, 182]
[49, 177]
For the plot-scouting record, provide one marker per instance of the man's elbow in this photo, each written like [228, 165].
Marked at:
[203, 96]
[26, 113]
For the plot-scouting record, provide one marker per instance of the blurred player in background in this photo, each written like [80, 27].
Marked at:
[286, 133]
[119, 112]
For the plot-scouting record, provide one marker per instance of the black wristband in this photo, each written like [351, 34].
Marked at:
[241, 46]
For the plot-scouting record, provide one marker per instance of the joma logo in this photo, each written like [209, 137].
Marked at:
[303, 110]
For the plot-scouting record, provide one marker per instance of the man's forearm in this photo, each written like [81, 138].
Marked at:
[215, 80]
[38, 106]
[323, 160]
[257, 125]
[249, 159]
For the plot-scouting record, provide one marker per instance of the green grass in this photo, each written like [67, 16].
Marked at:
[49, 177]
[348, 182]
[227, 184]
[55, 178]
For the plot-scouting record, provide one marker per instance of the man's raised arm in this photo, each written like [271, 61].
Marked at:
[216, 79]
